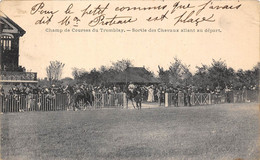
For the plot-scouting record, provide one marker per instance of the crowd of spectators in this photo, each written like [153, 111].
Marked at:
[150, 93]
[31, 76]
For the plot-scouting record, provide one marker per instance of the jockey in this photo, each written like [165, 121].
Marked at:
[131, 87]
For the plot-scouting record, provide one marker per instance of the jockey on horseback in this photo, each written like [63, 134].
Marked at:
[72, 94]
[134, 93]
[131, 87]
[130, 93]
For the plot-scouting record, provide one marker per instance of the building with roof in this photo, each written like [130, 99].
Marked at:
[136, 75]
[10, 70]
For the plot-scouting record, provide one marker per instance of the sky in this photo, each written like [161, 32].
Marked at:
[237, 43]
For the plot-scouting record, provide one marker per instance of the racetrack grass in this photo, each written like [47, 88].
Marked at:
[227, 131]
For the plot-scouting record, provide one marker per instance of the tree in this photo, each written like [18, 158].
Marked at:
[150, 72]
[94, 77]
[177, 74]
[77, 72]
[220, 74]
[217, 74]
[256, 74]
[54, 70]
[121, 65]
[163, 75]
[201, 77]
[248, 78]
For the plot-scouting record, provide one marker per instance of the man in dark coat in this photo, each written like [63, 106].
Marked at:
[138, 97]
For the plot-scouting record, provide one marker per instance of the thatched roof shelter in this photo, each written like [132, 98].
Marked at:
[137, 75]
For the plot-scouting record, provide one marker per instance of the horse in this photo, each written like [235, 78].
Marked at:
[80, 97]
[135, 95]
[85, 98]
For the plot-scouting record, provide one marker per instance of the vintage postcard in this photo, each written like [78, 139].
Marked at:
[129, 79]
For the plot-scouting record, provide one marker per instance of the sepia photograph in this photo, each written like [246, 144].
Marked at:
[129, 80]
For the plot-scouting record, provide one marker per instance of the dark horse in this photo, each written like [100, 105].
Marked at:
[135, 95]
[80, 97]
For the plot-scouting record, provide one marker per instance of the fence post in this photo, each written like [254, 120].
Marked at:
[103, 100]
[1, 103]
[125, 101]
[210, 98]
[246, 96]
[159, 100]
[95, 99]
[4, 103]
[166, 100]
[180, 99]
[192, 99]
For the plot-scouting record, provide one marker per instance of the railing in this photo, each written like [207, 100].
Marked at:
[44, 102]
[117, 100]
[200, 99]
[28, 76]
[182, 99]
[33, 102]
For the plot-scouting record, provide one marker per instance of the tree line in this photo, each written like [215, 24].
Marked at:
[217, 74]
[178, 74]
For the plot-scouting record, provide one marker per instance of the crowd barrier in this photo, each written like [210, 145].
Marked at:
[182, 99]
[33, 102]
[117, 100]
[43, 102]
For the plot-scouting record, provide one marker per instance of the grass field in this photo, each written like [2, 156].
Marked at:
[228, 131]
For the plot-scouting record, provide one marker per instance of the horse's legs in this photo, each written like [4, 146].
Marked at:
[90, 104]
[71, 103]
[76, 103]
[85, 104]
[133, 103]
[137, 105]
[78, 106]
[73, 106]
